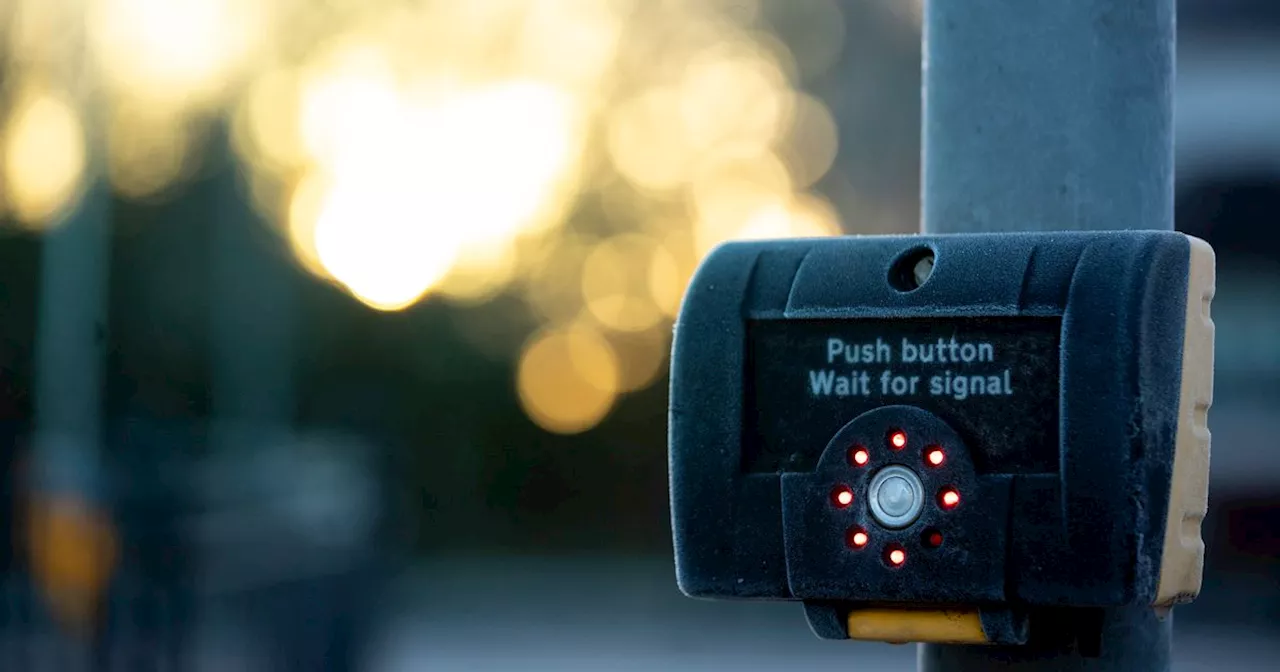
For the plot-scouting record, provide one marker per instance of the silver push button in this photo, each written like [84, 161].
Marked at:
[896, 497]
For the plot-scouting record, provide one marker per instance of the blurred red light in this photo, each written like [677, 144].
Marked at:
[933, 539]
[897, 557]
[842, 496]
[898, 440]
[857, 537]
[949, 498]
[860, 457]
[935, 456]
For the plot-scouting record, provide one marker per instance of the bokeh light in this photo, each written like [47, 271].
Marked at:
[568, 379]
[418, 172]
[641, 356]
[44, 156]
[805, 216]
[174, 53]
[574, 158]
[615, 283]
[266, 121]
[74, 550]
[729, 194]
[672, 267]
[305, 200]
[644, 143]
[732, 93]
[147, 152]
[570, 42]
[811, 141]
[553, 284]
[480, 272]
[378, 239]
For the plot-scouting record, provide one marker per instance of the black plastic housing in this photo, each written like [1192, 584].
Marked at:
[1070, 511]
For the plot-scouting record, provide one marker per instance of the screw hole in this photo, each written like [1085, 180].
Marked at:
[912, 270]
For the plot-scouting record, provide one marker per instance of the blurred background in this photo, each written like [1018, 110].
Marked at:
[334, 333]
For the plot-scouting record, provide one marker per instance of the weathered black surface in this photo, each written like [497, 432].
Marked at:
[1084, 528]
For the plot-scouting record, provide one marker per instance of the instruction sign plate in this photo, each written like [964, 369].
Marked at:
[994, 379]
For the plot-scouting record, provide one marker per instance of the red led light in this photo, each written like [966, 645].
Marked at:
[895, 556]
[949, 498]
[841, 496]
[898, 440]
[856, 537]
[932, 538]
[935, 457]
[860, 457]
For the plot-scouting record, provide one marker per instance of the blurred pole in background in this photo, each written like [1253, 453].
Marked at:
[68, 532]
[71, 318]
[69, 492]
[70, 338]
[251, 320]
[252, 412]
[1050, 115]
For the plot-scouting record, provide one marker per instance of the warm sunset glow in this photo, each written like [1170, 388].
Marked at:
[411, 175]
[577, 157]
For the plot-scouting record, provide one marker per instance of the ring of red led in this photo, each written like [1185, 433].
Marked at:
[842, 497]
[948, 498]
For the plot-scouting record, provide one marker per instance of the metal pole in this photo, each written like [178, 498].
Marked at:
[1050, 115]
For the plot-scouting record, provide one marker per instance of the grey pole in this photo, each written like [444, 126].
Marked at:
[71, 319]
[71, 336]
[70, 347]
[1050, 115]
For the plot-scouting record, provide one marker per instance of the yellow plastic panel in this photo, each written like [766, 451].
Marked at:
[950, 626]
